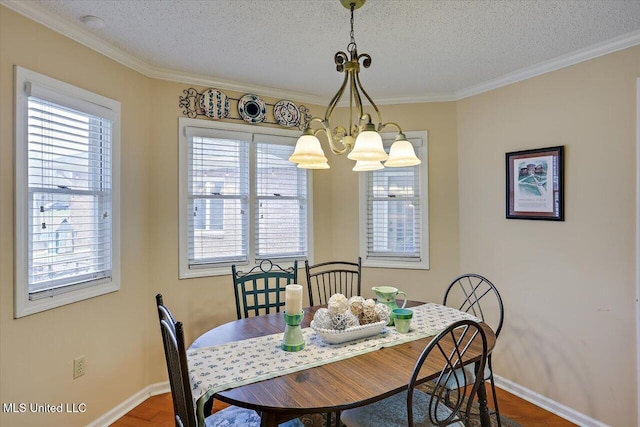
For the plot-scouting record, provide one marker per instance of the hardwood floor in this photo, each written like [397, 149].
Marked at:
[157, 411]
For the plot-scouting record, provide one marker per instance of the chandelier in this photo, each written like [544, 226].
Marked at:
[361, 138]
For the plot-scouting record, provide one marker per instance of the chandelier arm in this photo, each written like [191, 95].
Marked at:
[373, 104]
[355, 95]
[340, 58]
[332, 144]
[392, 124]
[328, 133]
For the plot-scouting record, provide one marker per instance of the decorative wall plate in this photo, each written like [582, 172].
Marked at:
[252, 109]
[214, 104]
[286, 113]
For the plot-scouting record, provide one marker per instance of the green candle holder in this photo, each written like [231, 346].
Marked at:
[293, 339]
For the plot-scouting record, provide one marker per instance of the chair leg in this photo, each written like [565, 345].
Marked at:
[495, 401]
[493, 392]
[338, 423]
[329, 414]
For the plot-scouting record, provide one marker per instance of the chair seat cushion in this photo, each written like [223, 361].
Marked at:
[392, 411]
[456, 380]
[234, 416]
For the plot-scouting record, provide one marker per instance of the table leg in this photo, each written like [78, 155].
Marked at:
[485, 418]
[268, 419]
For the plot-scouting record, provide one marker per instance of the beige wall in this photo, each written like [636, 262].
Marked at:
[439, 119]
[568, 287]
[579, 274]
[37, 351]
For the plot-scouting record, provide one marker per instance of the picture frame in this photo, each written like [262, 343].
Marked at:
[535, 184]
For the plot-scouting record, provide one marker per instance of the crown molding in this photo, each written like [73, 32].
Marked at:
[195, 79]
[609, 46]
[42, 16]
[38, 14]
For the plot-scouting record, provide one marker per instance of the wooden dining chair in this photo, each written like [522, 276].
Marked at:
[261, 289]
[417, 408]
[476, 295]
[178, 369]
[333, 277]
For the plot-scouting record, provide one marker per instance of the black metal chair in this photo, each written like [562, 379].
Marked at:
[420, 409]
[479, 297]
[333, 277]
[262, 288]
[178, 369]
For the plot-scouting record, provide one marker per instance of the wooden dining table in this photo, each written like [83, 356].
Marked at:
[336, 386]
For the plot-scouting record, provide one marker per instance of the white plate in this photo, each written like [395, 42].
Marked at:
[332, 336]
[214, 104]
[286, 113]
[252, 109]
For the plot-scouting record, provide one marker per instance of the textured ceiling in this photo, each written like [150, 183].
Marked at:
[421, 49]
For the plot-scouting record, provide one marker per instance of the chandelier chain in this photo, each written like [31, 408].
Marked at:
[352, 46]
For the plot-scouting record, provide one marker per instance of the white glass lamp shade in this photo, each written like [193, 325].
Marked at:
[365, 165]
[308, 150]
[316, 165]
[368, 147]
[402, 154]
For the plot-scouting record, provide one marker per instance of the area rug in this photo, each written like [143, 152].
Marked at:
[319, 420]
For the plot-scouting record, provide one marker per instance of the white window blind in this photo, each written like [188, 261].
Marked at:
[241, 200]
[281, 201]
[393, 213]
[69, 180]
[67, 211]
[394, 230]
[218, 199]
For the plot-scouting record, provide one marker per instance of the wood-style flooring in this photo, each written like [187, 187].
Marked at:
[157, 411]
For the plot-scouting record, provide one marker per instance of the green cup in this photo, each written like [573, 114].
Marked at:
[402, 318]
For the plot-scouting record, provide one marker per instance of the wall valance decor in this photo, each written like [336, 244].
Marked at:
[216, 105]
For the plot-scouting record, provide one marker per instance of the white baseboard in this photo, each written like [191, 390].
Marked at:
[116, 413]
[550, 405]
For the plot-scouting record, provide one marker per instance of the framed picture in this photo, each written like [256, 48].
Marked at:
[535, 184]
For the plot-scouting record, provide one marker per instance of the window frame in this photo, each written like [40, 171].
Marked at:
[69, 96]
[422, 262]
[185, 272]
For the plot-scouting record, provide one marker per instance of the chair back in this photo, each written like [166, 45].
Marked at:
[477, 296]
[176, 358]
[261, 290]
[333, 277]
[455, 346]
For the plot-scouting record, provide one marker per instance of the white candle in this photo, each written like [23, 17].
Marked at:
[293, 299]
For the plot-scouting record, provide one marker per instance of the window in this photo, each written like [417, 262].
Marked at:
[394, 223]
[67, 215]
[241, 200]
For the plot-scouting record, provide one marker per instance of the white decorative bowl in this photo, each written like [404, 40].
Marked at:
[333, 336]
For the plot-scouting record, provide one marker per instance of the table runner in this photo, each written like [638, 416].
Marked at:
[230, 365]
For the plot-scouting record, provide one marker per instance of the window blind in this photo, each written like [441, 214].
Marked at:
[69, 180]
[218, 196]
[280, 201]
[394, 216]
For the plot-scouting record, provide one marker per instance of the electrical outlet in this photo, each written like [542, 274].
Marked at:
[78, 366]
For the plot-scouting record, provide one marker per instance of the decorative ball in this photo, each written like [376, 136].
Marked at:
[342, 321]
[369, 303]
[355, 304]
[383, 312]
[338, 304]
[322, 319]
[368, 316]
